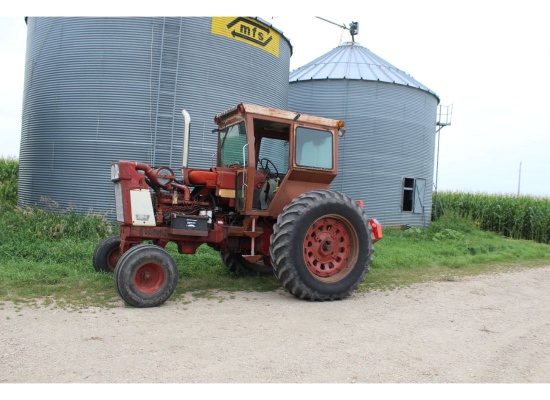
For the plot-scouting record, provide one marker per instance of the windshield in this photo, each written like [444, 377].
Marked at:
[232, 145]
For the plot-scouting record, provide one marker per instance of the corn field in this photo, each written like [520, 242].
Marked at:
[9, 169]
[522, 217]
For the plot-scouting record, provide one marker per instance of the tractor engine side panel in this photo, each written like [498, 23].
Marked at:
[132, 196]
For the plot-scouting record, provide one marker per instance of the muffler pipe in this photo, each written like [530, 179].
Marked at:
[186, 129]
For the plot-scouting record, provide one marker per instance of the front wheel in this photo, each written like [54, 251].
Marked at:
[107, 254]
[321, 246]
[146, 276]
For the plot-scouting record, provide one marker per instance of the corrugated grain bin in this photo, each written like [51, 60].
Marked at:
[99, 90]
[386, 157]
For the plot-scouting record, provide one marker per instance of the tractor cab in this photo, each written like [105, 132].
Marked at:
[276, 155]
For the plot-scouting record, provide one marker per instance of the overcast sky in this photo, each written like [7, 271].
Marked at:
[490, 59]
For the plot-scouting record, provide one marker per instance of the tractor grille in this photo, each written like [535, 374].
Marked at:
[118, 202]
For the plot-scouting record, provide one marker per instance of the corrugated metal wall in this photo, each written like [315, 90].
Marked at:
[390, 135]
[99, 90]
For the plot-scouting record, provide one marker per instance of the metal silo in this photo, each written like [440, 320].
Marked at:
[386, 157]
[99, 90]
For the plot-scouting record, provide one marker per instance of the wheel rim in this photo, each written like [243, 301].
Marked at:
[330, 248]
[149, 278]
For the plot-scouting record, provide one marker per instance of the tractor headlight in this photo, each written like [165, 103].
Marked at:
[115, 172]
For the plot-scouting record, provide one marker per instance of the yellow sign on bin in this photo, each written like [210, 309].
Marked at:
[249, 31]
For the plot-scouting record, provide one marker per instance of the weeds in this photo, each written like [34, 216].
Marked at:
[9, 169]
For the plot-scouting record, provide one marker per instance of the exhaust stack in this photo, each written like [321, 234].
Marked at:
[186, 129]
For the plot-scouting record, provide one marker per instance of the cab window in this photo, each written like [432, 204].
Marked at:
[314, 148]
[232, 145]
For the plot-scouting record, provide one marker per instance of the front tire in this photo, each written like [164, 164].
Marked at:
[146, 276]
[321, 247]
[107, 254]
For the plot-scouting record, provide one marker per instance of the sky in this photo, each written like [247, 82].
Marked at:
[488, 59]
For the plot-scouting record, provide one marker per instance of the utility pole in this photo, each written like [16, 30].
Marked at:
[519, 178]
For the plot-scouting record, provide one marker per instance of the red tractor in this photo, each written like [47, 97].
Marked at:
[266, 207]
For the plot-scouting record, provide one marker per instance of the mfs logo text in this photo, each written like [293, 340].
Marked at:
[247, 30]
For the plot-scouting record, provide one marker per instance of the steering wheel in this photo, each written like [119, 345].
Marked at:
[264, 166]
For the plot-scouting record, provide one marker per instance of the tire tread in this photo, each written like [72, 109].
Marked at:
[281, 240]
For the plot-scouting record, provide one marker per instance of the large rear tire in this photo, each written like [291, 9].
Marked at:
[239, 266]
[321, 247]
[146, 276]
[107, 254]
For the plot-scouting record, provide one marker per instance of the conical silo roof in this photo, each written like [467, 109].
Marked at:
[352, 61]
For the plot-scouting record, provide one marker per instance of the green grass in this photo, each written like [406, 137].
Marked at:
[44, 255]
[49, 255]
[451, 247]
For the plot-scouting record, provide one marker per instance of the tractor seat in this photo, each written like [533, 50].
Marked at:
[202, 178]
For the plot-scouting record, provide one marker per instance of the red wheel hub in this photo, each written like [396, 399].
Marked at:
[329, 247]
[149, 278]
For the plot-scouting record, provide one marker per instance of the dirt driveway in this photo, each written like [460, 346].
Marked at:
[478, 329]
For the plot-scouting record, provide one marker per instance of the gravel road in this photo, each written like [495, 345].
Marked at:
[490, 329]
